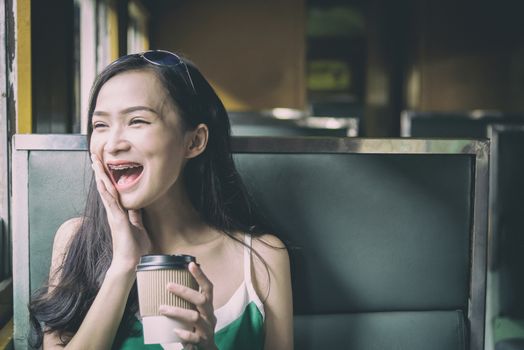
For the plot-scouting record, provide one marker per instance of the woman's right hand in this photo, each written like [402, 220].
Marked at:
[130, 238]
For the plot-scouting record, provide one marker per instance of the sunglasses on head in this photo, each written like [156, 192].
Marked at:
[168, 59]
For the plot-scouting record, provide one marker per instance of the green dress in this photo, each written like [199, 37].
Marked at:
[240, 322]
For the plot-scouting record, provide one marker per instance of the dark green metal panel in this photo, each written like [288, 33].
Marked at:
[427, 330]
[57, 190]
[508, 154]
[373, 232]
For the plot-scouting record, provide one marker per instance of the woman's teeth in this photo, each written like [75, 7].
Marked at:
[125, 173]
[121, 167]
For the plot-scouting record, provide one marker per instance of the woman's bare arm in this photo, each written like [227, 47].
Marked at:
[278, 305]
[101, 322]
[130, 241]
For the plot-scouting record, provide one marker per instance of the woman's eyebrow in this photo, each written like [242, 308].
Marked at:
[101, 113]
[127, 111]
[138, 108]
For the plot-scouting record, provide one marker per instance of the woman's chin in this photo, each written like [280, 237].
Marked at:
[132, 207]
[130, 203]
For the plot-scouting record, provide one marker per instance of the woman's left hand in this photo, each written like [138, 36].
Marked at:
[203, 318]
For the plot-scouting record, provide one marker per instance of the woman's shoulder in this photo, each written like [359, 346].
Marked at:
[63, 237]
[269, 251]
[272, 264]
[66, 232]
[266, 245]
[269, 244]
[272, 283]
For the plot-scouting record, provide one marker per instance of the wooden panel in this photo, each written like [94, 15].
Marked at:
[23, 54]
[252, 52]
[470, 56]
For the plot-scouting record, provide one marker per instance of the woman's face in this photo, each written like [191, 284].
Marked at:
[139, 137]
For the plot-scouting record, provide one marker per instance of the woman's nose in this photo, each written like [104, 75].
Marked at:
[116, 142]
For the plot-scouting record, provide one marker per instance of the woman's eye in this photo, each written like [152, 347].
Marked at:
[98, 125]
[138, 121]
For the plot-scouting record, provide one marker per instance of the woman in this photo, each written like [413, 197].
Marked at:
[164, 183]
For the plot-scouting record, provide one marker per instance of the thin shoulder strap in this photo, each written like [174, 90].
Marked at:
[247, 258]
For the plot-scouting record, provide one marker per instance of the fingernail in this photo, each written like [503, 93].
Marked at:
[162, 309]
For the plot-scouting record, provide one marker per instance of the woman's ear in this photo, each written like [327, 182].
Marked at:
[197, 141]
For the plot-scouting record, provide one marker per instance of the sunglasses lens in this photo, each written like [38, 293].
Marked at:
[162, 58]
[166, 58]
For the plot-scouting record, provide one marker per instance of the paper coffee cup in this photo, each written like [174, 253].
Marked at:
[154, 272]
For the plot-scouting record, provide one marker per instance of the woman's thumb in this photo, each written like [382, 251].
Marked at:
[135, 218]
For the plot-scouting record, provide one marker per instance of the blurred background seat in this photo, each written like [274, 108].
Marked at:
[467, 124]
[506, 302]
[289, 122]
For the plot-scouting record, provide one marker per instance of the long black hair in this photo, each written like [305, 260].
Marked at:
[211, 180]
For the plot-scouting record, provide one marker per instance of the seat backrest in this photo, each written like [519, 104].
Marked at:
[387, 237]
[259, 124]
[507, 226]
[472, 124]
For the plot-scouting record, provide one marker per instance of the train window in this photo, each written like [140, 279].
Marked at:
[70, 44]
[98, 31]
[335, 58]
[137, 33]
[52, 43]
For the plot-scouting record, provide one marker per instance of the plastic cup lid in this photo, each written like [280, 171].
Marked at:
[164, 262]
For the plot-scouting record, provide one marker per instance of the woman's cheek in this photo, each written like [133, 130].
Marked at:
[95, 141]
[96, 148]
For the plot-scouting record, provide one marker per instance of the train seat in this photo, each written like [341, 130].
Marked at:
[387, 238]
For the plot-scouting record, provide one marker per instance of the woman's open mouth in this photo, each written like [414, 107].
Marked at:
[125, 175]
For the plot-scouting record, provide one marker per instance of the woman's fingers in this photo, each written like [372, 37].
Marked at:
[203, 304]
[107, 198]
[196, 298]
[184, 315]
[187, 316]
[188, 336]
[204, 317]
[205, 284]
[130, 238]
[186, 293]
[189, 346]
[203, 329]
[135, 218]
[202, 324]
[107, 191]
[100, 173]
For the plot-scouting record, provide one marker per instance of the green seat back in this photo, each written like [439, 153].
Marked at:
[58, 182]
[371, 232]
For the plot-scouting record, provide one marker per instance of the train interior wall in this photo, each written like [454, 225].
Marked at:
[423, 55]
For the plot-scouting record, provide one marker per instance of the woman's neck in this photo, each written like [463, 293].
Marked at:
[174, 224]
